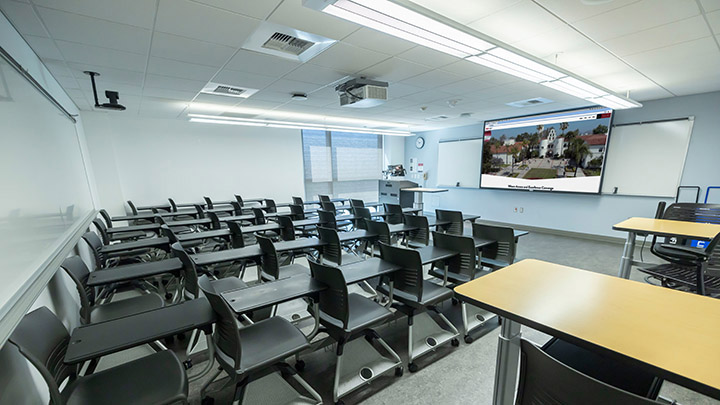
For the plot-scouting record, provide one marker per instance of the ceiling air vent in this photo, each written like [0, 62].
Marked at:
[227, 90]
[287, 43]
[529, 102]
[437, 118]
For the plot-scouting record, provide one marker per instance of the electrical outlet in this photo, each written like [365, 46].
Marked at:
[522, 210]
[515, 210]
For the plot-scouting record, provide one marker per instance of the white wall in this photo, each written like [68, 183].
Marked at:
[148, 160]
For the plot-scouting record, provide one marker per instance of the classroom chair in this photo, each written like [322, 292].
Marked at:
[690, 212]
[270, 205]
[348, 317]
[357, 203]
[42, 339]
[420, 236]
[546, 380]
[361, 215]
[104, 260]
[394, 213]
[270, 265]
[500, 254]
[417, 296]
[251, 352]
[323, 198]
[332, 250]
[298, 201]
[455, 219]
[116, 237]
[381, 230]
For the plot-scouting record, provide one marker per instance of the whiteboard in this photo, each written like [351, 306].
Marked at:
[647, 159]
[459, 163]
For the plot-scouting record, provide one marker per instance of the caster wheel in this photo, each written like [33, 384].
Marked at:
[455, 342]
[207, 401]
[168, 296]
[300, 365]
[455, 301]
[468, 339]
[412, 367]
[398, 371]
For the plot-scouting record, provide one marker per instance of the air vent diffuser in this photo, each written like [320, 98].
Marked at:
[287, 43]
[227, 90]
[529, 102]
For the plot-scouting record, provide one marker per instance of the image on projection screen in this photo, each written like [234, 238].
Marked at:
[559, 151]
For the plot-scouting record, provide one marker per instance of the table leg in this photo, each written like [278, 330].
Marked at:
[627, 257]
[508, 363]
[418, 203]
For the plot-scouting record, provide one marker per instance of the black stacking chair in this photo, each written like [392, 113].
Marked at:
[328, 206]
[190, 274]
[270, 267]
[133, 210]
[298, 201]
[382, 232]
[546, 380]
[357, 203]
[104, 260]
[253, 351]
[332, 250]
[690, 269]
[421, 236]
[500, 254]
[91, 310]
[458, 270]
[324, 198]
[416, 296]
[347, 317]
[361, 214]
[177, 229]
[297, 211]
[270, 205]
[174, 208]
[106, 217]
[455, 218]
[327, 219]
[690, 212]
[116, 237]
[155, 379]
[394, 213]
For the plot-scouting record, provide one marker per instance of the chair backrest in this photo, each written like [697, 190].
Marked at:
[297, 211]
[79, 273]
[214, 220]
[409, 279]
[259, 216]
[362, 214]
[546, 380]
[327, 219]
[421, 234]
[95, 244]
[333, 300]
[269, 261]
[455, 218]
[132, 207]
[100, 225]
[237, 208]
[660, 210]
[168, 233]
[357, 203]
[173, 206]
[323, 198]
[504, 249]
[328, 206]
[239, 199]
[106, 217]
[43, 340]
[464, 262]
[297, 201]
[226, 334]
[381, 229]
[236, 235]
[208, 203]
[287, 230]
[692, 212]
[270, 205]
[189, 271]
[395, 213]
[331, 250]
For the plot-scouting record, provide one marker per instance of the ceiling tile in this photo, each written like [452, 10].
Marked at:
[188, 50]
[465, 86]
[291, 13]
[428, 96]
[658, 37]
[347, 58]
[249, 61]
[714, 21]
[183, 70]
[44, 47]
[497, 78]
[378, 41]
[243, 79]
[161, 107]
[578, 10]
[548, 44]
[68, 83]
[274, 95]
[256, 9]
[315, 74]
[432, 79]
[104, 84]
[98, 56]
[252, 102]
[23, 18]
[192, 20]
[173, 83]
[393, 70]
[213, 99]
[92, 31]
[624, 21]
[401, 90]
[710, 5]
[110, 74]
[527, 20]
[466, 69]
[427, 57]
[150, 91]
[58, 68]
[466, 11]
[292, 86]
[139, 13]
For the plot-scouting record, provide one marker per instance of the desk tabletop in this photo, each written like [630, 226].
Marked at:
[99, 339]
[671, 333]
[133, 271]
[134, 228]
[271, 293]
[137, 244]
[189, 222]
[666, 227]
[424, 190]
[215, 233]
[429, 254]
[243, 253]
[367, 269]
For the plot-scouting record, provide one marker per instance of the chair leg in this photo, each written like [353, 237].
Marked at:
[240, 391]
[209, 381]
[338, 368]
[700, 277]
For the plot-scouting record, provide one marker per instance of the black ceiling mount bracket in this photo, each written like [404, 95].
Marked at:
[113, 96]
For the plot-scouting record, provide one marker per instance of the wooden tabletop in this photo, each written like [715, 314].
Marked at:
[666, 227]
[424, 190]
[671, 333]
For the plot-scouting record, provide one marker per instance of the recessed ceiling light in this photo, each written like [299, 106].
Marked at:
[299, 96]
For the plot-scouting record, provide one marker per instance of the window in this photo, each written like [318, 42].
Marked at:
[342, 164]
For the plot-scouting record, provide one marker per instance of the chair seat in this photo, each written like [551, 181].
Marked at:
[155, 379]
[126, 307]
[454, 278]
[684, 275]
[363, 313]
[228, 284]
[346, 259]
[495, 264]
[674, 254]
[269, 341]
[287, 271]
[432, 294]
[416, 245]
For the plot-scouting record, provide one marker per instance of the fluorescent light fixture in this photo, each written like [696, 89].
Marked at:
[402, 19]
[216, 119]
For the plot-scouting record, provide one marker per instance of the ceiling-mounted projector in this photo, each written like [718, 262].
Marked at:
[113, 96]
[362, 93]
